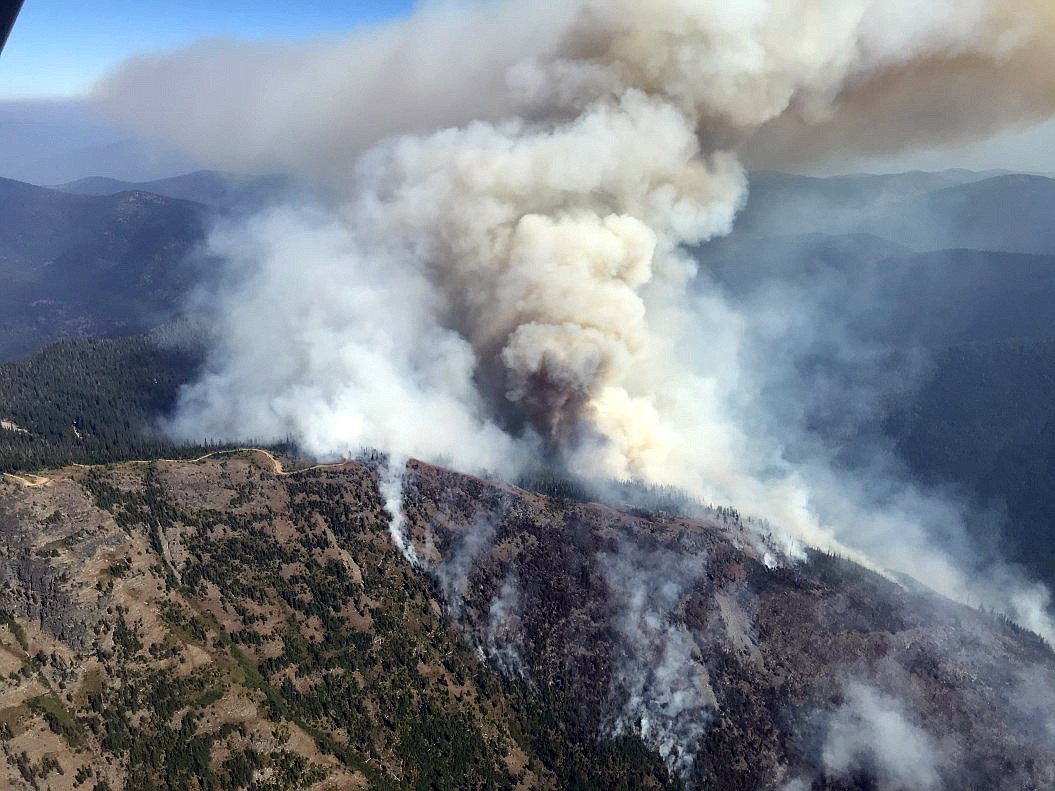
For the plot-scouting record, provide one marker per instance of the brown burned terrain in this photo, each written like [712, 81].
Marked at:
[215, 624]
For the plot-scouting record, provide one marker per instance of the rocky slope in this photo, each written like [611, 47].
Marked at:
[224, 624]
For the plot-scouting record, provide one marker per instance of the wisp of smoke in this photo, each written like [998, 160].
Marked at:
[664, 699]
[452, 571]
[502, 272]
[501, 643]
[872, 732]
[390, 484]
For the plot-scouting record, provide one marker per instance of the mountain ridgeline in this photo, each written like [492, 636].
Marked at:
[101, 258]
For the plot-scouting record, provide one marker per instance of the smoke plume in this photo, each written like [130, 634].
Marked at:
[390, 484]
[872, 732]
[502, 642]
[667, 698]
[500, 270]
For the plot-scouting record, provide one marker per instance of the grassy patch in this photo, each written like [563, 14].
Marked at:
[59, 719]
[19, 634]
[208, 697]
[13, 718]
[184, 624]
[92, 685]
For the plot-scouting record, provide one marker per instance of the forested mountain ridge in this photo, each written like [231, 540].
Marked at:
[87, 266]
[90, 401]
[220, 625]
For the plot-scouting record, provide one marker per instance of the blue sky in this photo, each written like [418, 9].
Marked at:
[59, 47]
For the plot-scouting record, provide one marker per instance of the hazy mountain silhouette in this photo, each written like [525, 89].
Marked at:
[76, 265]
[923, 211]
[57, 141]
[208, 187]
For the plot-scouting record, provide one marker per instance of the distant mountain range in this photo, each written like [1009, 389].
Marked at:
[53, 142]
[1009, 212]
[958, 266]
[67, 144]
[893, 294]
[101, 257]
[209, 187]
[954, 256]
[911, 260]
[79, 265]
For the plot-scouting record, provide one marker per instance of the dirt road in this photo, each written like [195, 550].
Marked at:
[37, 481]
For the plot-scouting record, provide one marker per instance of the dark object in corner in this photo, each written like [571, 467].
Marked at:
[8, 14]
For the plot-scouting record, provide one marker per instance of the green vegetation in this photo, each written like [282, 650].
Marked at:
[16, 630]
[185, 625]
[59, 719]
[91, 401]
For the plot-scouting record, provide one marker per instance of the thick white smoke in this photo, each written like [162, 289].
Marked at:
[390, 485]
[502, 272]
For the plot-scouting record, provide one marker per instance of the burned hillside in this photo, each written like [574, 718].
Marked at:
[229, 624]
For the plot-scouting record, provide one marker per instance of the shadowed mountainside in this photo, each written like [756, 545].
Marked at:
[76, 265]
[982, 418]
[954, 346]
[925, 211]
